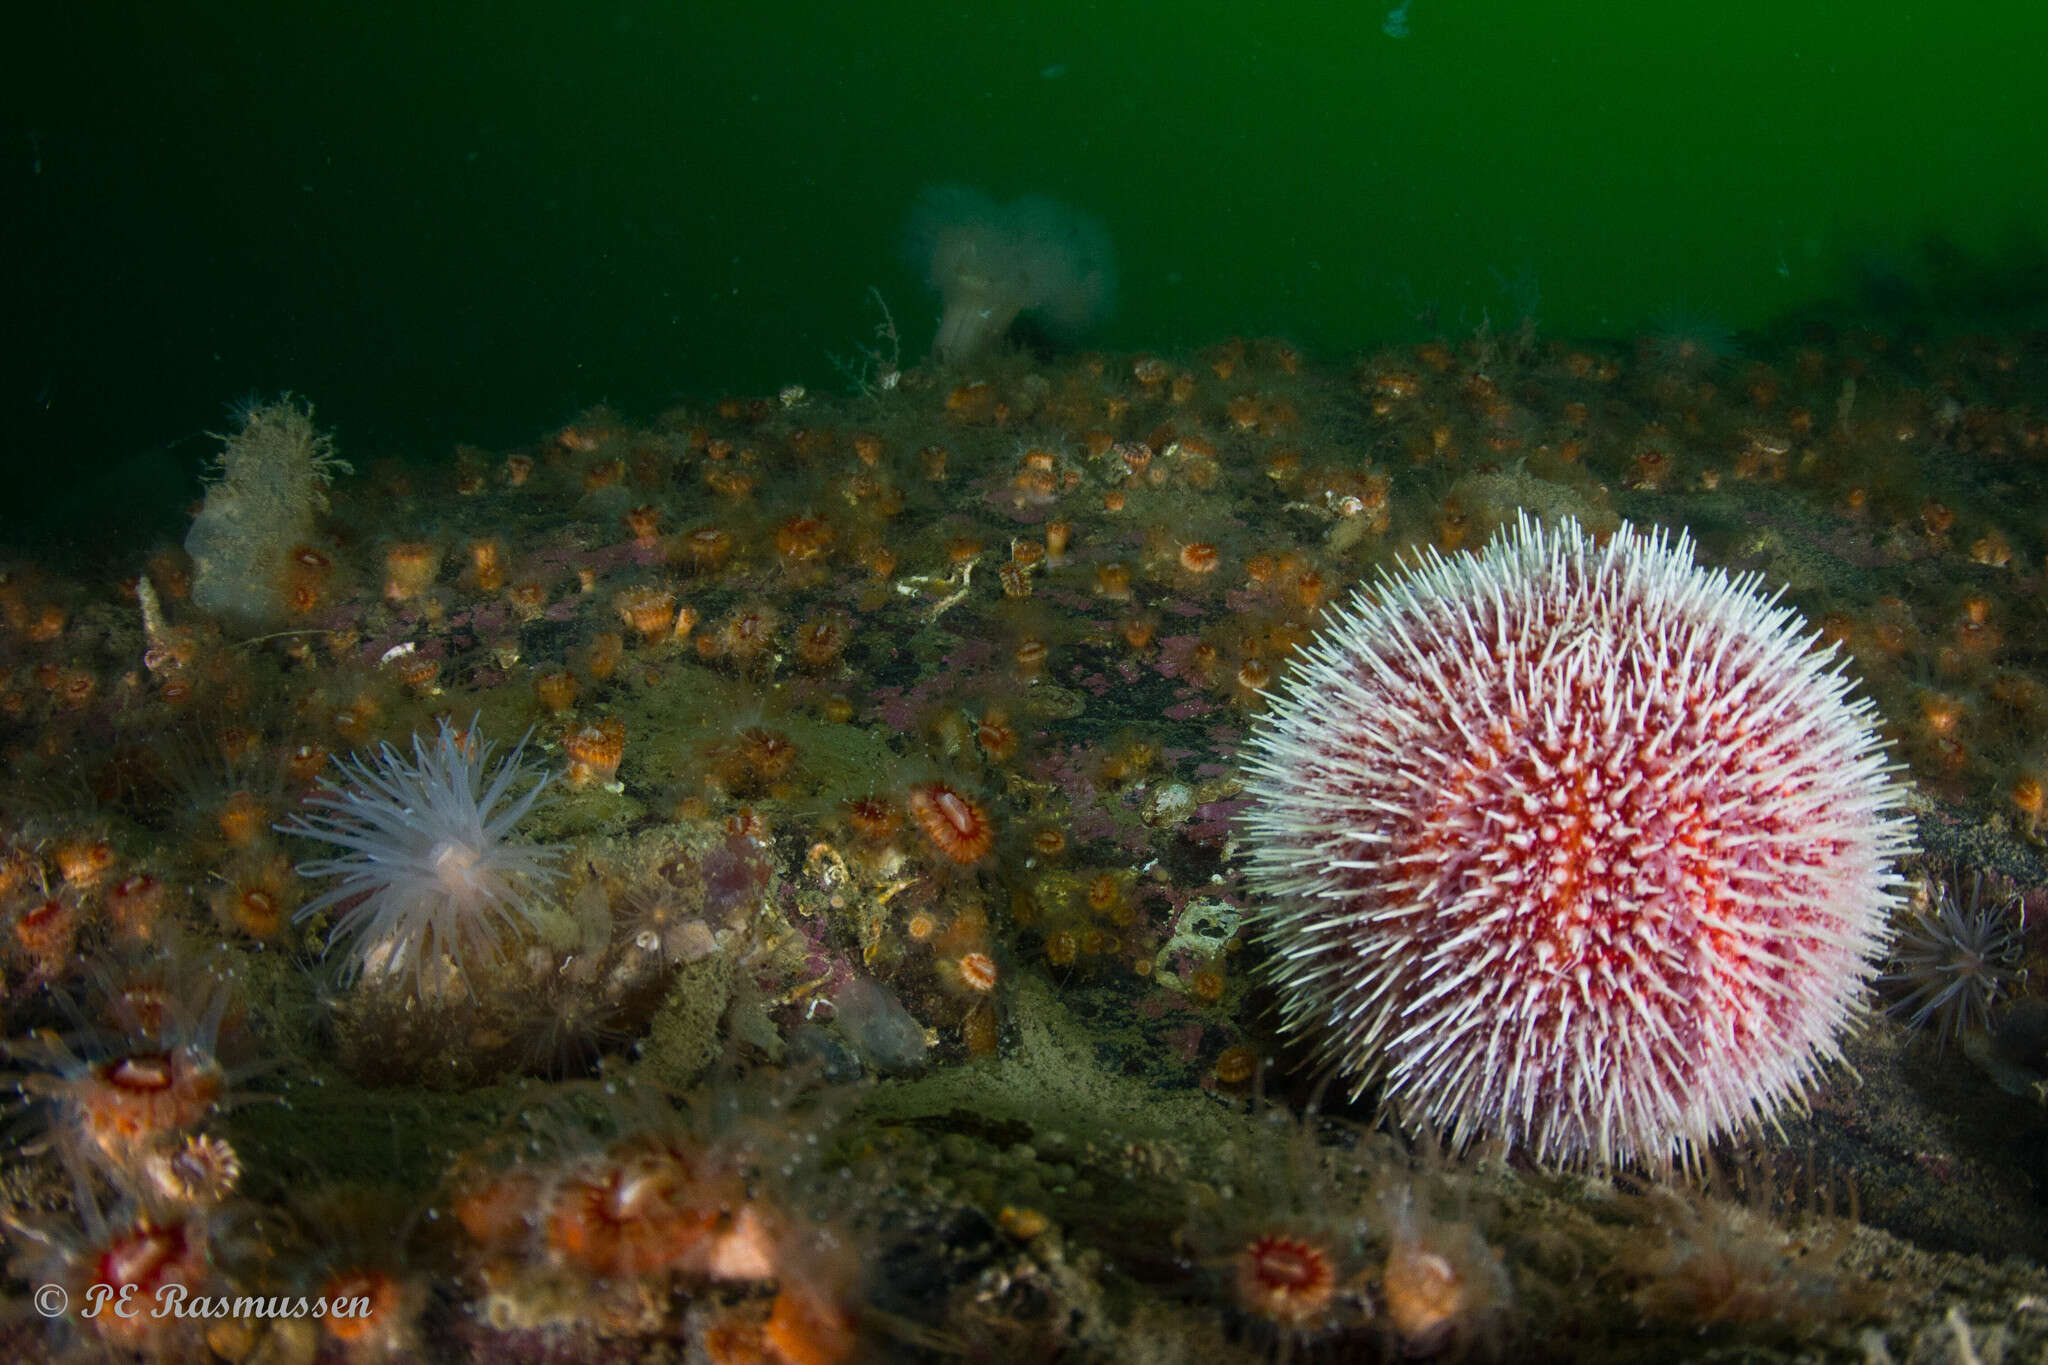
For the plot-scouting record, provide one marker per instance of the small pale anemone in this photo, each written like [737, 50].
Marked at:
[1954, 959]
[430, 868]
[1685, 341]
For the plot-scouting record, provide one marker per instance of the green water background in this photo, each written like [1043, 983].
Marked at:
[464, 222]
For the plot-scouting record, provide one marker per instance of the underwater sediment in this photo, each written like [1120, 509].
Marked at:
[880, 976]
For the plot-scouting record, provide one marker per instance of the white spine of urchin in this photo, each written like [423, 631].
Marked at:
[430, 867]
[1585, 847]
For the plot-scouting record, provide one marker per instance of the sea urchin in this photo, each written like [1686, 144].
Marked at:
[430, 868]
[1583, 846]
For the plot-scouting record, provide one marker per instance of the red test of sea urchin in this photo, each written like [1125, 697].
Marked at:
[1583, 846]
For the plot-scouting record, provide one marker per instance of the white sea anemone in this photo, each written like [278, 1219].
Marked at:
[430, 868]
[991, 262]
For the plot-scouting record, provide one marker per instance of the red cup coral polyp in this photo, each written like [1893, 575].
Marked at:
[956, 826]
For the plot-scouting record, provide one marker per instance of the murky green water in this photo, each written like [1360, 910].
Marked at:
[462, 222]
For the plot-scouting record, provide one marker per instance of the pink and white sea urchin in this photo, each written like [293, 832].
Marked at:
[1583, 846]
[430, 868]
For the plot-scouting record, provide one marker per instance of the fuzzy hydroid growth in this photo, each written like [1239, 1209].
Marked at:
[1584, 846]
[271, 480]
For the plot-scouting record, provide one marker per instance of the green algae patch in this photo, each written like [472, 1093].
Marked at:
[684, 1038]
[332, 1130]
[1053, 1082]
